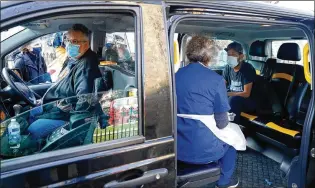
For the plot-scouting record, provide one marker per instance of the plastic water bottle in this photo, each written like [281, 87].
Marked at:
[14, 134]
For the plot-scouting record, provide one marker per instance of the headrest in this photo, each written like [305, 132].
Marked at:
[257, 48]
[289, 51]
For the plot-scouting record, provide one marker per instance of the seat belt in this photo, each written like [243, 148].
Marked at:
[286, 113]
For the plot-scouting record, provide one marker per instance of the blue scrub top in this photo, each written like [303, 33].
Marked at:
[199, 91]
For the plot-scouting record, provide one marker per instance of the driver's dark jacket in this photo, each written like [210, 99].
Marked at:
[78, 82]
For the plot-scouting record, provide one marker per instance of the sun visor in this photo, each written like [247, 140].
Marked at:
[37, 25]
[65, 27]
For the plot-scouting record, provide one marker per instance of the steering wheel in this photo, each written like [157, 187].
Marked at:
[19, 86]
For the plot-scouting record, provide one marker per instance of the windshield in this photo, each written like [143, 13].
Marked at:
[9, 33]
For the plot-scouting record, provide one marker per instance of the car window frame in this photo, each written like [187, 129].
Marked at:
[22, 29]
[24, 164]
[305, 142]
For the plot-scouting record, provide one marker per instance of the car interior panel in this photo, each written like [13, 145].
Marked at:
[282, 90]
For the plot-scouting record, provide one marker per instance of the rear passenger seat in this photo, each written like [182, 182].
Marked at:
[262, 89]
[263, 68]
[292, 89]
[257, 49]
[284, 74]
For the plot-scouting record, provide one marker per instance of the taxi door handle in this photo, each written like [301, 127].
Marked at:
[147, 177]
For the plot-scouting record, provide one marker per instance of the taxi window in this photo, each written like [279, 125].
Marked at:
[107, 116]
[109, 112]
[275, 45]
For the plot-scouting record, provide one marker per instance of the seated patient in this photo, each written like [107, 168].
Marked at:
[76, 78]
[202, 91]
[239, 77]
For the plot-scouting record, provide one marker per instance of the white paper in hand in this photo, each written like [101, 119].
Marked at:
[231, 134]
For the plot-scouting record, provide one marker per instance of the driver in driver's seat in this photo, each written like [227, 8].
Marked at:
[76, 79]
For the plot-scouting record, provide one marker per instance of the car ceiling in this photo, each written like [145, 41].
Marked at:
[111, 22]
[108, 23]
[245, 31]
[97, 23]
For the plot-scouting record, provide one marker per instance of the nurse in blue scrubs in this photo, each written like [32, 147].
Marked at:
[201, 91]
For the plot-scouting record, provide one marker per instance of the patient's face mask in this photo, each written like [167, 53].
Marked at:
[73, 50]
[232, 61]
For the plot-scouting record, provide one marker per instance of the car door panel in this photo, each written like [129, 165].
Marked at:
[145, 178]
[103, 166]
[157, 79]
[151, 155]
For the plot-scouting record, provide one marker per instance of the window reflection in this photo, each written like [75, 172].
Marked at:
[115, 116]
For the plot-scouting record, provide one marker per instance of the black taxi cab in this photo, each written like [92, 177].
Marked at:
[132, 142]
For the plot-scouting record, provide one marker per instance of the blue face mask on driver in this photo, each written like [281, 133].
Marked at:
[73, 50]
